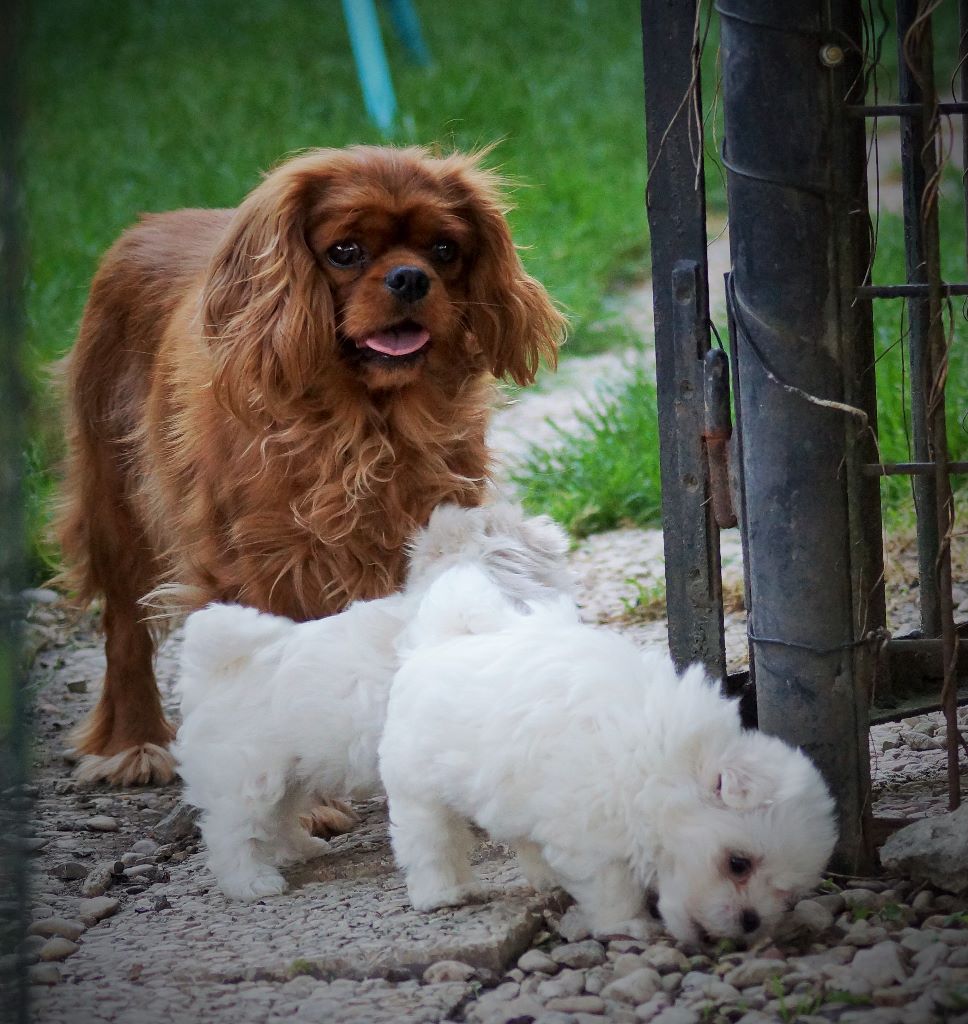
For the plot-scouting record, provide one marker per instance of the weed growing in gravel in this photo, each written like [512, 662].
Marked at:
[607, 473]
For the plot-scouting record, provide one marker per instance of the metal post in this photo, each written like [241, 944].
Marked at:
[918, 161]
[676, 202]
[798, 218]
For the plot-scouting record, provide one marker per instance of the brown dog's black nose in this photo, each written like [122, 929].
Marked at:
[407, 283]
[749, 921]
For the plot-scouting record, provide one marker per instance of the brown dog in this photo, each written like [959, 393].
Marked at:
[265, 402]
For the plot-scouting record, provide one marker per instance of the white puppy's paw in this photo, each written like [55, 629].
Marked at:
[266, 881]
[450, 896]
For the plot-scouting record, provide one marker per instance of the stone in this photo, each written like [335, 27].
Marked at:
[57, 948]
[588, 953]
[534, 961]
[573, 927]
[833, 901]
[934, 850]
[756, 972]
[577, 1004]
[881, 965]
[865, 899]
[863, 933]
[666, 959]
[635, 988]
[446, 970]
[69, 871]
[813, 915]
[677, 1015]
[91, 911]
[98, 879]
[44, 974]
[102, 823]
[145, 846]
[650, 1010]
[51, 926]
[179, 824]
[921, 741]
[567, 983]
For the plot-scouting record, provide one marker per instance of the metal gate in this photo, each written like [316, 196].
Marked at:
[801, 467]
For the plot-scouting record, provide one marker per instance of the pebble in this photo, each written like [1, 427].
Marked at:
[813, 915]
[677, 1015]
[568, 983]
[145, 846]
[666, 959]
[572, 926]
[534, 961]
[51, 926]
[756, 972]
[577, 1004]
[91, 911]
[102, 823]
[579, 954]
[635, 988]
[69, 871]
[880, 965]
[57, 948]
[44, 974]
[443, 970]
[98, 879]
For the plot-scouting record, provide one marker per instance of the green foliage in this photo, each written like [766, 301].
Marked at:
[606, 474]
[147, 105]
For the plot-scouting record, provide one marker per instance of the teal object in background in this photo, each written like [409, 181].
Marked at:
[371, 59]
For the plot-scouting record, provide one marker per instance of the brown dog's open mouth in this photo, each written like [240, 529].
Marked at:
[403, 339]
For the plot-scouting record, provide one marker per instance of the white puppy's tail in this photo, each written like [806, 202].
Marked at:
[462, 602]
[221, 638]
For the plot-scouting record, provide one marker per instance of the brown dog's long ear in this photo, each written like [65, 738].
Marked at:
[508, 311]
[267, 311]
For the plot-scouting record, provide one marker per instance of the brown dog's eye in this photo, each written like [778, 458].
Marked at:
[345, 254]
[739, 867]
[444, 251]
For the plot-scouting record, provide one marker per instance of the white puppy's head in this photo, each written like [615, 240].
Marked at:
[523, 555]
[754, 830]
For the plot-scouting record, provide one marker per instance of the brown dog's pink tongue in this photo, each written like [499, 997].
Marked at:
[398, 343]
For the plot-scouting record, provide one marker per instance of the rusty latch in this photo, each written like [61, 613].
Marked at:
[717, 429]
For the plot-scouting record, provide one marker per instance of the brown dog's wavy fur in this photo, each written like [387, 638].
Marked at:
[224, 433]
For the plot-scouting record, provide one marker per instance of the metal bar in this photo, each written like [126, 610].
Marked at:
[802, 341]
[907, 291]
[963, 65]
[676, 203]
[903, 109]
[910, 468]
[717, 431]
[916, 77]
[918, 166]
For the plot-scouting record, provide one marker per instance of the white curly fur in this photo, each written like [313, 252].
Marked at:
[610, 774]
[277, 714]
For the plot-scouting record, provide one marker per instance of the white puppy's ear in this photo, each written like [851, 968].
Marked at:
[744, 787]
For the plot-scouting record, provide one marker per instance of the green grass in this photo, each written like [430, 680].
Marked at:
[606, 474]
[145, 105]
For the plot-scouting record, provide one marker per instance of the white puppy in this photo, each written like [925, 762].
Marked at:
[608, 773]
[278, 714]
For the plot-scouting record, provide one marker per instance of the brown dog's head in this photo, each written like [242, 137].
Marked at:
[390, 263]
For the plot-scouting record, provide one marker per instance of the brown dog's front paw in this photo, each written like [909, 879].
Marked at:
[330, 818]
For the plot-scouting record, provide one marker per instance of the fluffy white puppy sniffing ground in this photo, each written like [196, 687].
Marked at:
[277, 714]
[608, 773]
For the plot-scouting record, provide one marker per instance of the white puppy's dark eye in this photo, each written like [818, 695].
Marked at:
[345, 254]
[739, 867]
[444, 251]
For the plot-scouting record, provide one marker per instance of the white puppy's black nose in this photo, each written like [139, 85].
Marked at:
[749, 921]
[407, 283]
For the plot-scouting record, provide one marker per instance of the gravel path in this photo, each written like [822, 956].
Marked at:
[129, 928]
